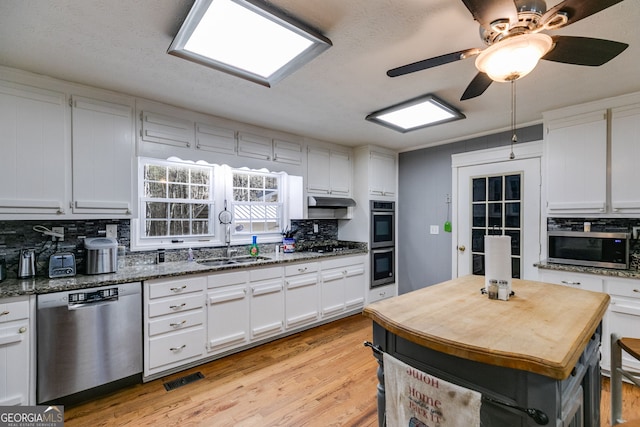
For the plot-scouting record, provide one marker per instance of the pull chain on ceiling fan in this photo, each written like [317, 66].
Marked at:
[514, 28]
[514, 137]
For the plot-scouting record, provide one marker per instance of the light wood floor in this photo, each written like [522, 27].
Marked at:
[322, 377]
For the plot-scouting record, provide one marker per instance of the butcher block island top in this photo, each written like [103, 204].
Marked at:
[543, 328]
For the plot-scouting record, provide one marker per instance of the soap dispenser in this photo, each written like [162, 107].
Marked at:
[253, 249]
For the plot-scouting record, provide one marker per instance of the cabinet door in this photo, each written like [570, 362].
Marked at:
[214, 138]
[301, 292]
[35, 153]
[625, 152]
[576, 158]
[355, 286]
[14, 363]
[318, 179]
[254, 146]
[227, 317]
[166, 130]
[623, 318]
[332, 298]
[287, 152]
[267, 308]
[340, 173]
[382, 174]
[103, 153]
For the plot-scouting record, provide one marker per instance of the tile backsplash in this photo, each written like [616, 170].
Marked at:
[17, 235]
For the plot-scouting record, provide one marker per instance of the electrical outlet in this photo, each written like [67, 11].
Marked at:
[434, 229]
[636, 231]
[112, 230]
[315, 227]
[58, 230]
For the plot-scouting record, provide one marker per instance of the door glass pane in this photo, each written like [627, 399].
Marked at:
[495, 215]
[495, 188]
[478, 264]
[512, 214]
[512, 187]
[480, 215]
[477, 240]
[479, 189]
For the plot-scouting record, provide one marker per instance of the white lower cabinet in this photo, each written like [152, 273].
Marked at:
[382, 292]
[622, 316]
[227, 311]
[302, 290]
[342, 285]
[267, 302]
[174, 323]
[16, 347]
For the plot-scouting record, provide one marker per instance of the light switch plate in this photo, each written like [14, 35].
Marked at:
[112, 230]
[435, 229]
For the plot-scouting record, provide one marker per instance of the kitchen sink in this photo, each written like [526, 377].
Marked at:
[218, 262]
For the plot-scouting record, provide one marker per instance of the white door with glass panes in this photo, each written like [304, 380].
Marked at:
[499, 198]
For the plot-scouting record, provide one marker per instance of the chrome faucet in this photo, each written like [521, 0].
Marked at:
[230, 253]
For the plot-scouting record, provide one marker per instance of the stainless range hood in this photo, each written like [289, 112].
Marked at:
[331, 202]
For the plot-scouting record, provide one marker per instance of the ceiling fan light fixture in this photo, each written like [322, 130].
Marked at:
[416, 113]
[514, 57]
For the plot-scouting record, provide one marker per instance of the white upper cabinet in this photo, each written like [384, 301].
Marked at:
[103, 153]
[382, 174]
[35, 155]
[215, 138]
[625, 152]
[287, 152]
[328, 172]
[167, 130]
[254, 146]
[576, 163]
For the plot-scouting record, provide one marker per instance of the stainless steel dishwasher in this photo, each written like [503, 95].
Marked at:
[87, 338]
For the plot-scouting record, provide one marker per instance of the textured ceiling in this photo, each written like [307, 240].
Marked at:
[121, 45]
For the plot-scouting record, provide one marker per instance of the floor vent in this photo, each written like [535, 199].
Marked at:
[171, 385]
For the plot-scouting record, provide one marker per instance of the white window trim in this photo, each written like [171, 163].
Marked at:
[223, 189]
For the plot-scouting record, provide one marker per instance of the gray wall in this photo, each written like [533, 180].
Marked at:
[424, 181]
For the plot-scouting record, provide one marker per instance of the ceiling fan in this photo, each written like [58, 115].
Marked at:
[513, 32]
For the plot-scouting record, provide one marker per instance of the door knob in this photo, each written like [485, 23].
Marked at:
[461, 248]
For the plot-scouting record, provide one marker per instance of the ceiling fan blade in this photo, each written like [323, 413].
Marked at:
[583, 50]
[432, 62]
[478, 85]
[488, 11]
[577, 10]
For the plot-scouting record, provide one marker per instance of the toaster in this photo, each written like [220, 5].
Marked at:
[62, 264]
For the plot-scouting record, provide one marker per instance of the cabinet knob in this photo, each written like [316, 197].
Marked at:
[636, 290]
[22, 330]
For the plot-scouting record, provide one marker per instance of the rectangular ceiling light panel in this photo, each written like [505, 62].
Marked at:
[246, 38]
[417, 113]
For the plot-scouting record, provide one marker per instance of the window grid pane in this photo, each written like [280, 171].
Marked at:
[256, 203]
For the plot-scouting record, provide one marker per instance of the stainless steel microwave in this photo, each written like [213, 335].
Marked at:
[591, 249]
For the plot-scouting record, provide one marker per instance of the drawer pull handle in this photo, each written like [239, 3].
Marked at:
[302, 270]
[22, 330]
[178, 348]
[636, 290]
[183, 287]
[4, 313]
[177, 325]
[569, 282]
[177, 307]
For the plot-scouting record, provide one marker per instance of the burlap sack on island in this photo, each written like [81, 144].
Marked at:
[416, 399]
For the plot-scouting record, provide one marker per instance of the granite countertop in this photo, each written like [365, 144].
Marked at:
[42, 285]
[627, 274]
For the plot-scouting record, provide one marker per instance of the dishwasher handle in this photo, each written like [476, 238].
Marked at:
[91, 304]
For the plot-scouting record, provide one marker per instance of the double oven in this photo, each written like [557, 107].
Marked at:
[382, 242]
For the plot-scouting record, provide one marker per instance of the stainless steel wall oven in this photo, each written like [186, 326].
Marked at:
[382, 241]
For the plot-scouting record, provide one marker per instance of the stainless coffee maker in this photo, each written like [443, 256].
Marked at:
[27, 264]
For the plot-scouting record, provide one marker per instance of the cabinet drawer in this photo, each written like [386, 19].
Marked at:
[226, 279]
[163, 288]
[265, 273]
[175, 305]
[342, 262]
[13, 309]
[292, 270]
[626, 288]
[176, 347]
[176, 322]
[574, 280]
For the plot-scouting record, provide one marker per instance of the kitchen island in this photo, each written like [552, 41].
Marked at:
[537, 351]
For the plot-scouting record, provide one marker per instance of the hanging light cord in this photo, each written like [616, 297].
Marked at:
[514, 137]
